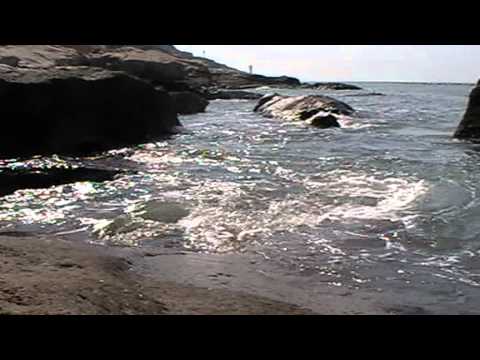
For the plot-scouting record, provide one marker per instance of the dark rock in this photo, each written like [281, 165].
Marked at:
[314, 109]
[187, 102]
[266, 98]
[233, 95]
[79, 110]
[240, 80]
[469, 127]
[331, 86]
[324, 121]
[13, 180]
[365, 94]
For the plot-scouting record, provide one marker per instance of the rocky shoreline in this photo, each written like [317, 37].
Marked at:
[47, 275]
[80, 100]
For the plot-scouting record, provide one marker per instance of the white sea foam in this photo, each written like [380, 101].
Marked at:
[228, 214]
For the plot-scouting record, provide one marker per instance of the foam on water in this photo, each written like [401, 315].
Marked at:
[227, 215]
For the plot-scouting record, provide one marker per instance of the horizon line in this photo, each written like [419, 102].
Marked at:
[395, 82]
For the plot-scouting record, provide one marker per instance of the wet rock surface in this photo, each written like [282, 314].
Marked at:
[53, 276]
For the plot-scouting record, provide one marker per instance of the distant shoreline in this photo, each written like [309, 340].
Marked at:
[397, 82]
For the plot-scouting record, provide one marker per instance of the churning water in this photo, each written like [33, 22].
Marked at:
[389, 198]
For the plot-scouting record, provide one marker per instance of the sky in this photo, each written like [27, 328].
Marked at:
[416, 63]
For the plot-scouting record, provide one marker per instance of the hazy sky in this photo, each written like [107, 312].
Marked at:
[424, 63]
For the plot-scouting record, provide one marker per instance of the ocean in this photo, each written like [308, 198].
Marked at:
[386, 205]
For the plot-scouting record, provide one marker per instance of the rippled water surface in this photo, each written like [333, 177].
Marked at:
[390, 198]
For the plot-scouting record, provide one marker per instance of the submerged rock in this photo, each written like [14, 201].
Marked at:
[120, 225]
[469, 127]
[314, 109]
[163, 211]
[78, 110]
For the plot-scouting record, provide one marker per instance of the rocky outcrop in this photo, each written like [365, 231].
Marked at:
[316, 110]
[154, 66]
[78, 110]
[74, 99]
[41, 56]
[232, 95]
[469, 127]
[330, 86]
[181, 70]
[187, 102]
[161, 64]
[240, 80]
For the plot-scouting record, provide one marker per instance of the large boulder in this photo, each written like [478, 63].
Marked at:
[469, 127]
[316, 110]
[78, 110]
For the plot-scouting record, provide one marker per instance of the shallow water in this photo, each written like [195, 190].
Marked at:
[387, 202]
